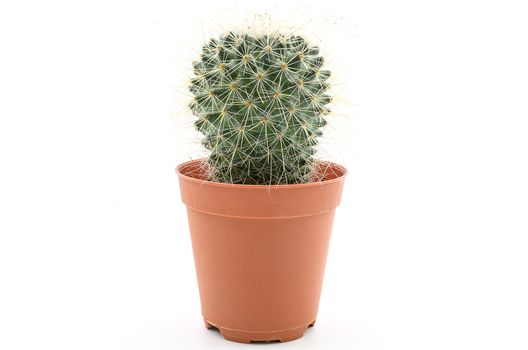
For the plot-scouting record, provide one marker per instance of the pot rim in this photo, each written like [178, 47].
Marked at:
[338, 167]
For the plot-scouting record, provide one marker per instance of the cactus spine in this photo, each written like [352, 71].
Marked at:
[260, 103]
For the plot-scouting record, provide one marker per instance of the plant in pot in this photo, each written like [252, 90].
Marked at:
[260, 206]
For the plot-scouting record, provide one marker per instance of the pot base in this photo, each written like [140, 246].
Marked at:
[247, 337]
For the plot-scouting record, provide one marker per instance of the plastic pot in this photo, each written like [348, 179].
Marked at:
[260, 251]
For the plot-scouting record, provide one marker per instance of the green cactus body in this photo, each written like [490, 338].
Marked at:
[260, 103]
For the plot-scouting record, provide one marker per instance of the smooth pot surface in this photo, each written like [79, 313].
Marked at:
[260, 251]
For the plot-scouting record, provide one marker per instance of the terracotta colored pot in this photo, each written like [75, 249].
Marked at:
[260, 251]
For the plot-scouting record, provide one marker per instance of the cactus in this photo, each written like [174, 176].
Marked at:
[260, 102]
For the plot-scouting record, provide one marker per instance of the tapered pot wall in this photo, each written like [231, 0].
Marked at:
[260, 251]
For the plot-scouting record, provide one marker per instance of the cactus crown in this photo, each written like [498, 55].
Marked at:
[260, 103]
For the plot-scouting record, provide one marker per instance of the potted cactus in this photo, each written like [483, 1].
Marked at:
[260, 206]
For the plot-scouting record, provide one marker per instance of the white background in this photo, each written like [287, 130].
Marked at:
[429, 248]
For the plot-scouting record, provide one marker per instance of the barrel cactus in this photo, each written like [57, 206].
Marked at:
[260, 102]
